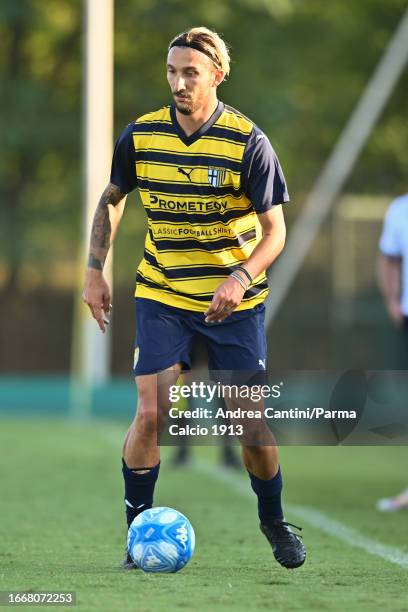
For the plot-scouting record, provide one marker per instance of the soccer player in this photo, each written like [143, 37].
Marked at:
[393, 284]
[392, 263]
[213, 190]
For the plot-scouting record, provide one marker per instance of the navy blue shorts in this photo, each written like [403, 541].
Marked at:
[165, 336]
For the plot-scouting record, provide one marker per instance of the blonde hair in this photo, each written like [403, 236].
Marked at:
[208, 42]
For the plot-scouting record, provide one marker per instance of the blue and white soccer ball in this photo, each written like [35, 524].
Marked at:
[161, 540]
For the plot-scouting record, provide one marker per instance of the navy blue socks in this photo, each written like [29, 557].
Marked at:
[139, 489]
[269, 497]
[140, 483]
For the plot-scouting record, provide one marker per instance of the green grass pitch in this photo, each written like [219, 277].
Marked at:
[62, 526]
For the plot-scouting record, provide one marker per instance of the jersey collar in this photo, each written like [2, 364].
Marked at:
[188, 140]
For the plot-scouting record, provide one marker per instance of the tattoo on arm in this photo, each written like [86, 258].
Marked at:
[94, 262]
[101, 227]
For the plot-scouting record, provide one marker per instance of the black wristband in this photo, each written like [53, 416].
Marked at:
[247, 274]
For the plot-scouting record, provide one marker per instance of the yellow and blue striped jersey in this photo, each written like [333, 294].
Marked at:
[201, 194]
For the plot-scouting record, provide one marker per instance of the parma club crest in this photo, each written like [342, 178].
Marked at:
[216, 176]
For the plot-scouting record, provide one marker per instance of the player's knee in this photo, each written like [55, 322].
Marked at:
[150, 419]
[146, 421]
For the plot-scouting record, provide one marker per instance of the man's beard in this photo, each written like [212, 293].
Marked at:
[186, 108]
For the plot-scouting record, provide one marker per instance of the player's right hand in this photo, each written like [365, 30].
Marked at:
[97, 296]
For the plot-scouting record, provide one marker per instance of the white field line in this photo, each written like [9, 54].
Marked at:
[308, 515]
[312, 517]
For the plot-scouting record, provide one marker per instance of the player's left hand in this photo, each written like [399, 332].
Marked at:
[227, 297]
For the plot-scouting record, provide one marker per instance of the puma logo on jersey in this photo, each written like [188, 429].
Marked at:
[262, 363]
[187, 174]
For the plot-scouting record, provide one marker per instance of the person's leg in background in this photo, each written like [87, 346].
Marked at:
[400, 501]
[228, 457]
